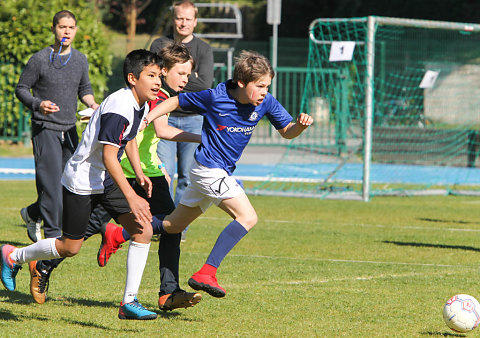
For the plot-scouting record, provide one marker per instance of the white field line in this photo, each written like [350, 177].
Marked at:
[347, 279]
[355, 261]
[16, 171]
[330, 260]
[409, 227]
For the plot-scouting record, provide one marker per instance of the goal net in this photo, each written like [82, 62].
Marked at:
[396, 104]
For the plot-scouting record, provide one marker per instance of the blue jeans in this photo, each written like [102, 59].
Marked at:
[178, 156]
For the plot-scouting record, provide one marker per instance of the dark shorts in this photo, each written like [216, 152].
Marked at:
[77, 209]
[161, 202]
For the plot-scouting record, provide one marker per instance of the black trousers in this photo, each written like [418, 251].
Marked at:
[51, 150]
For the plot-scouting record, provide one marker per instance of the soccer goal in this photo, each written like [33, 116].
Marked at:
[396, 104]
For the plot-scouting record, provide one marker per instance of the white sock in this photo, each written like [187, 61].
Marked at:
[136, 261]
[43, 249]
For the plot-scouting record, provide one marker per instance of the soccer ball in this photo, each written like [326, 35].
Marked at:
[462, 313]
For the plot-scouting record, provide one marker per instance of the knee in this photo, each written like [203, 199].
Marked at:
[69, 251]
[249, 221]
[143, 231]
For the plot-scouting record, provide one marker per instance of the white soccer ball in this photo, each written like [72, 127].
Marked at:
[462, 313]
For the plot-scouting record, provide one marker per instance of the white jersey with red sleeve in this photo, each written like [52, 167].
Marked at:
[115, 122]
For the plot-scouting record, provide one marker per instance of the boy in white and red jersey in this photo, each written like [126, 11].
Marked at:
[177, 65]
[94, 176]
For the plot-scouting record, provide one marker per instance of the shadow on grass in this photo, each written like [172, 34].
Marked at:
[430, 245]
[175, 315]
[97, 326]
[23, 298]
[16, 297]
[69, 301]
[443, 334]
[436, 220]
[8, 316]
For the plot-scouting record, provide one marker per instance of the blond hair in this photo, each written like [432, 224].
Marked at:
[251, 66]
[184, 3]
[174, 53]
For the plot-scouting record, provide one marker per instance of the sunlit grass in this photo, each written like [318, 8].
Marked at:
[309, 268]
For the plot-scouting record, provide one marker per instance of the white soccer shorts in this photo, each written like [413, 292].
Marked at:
[208, 186]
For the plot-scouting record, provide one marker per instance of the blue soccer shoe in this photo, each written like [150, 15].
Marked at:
[135, 310]
[9, 269]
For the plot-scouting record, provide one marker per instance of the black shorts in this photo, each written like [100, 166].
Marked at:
[77, 209]
[161, 202]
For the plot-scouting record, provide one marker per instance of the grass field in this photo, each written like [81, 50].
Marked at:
[309, 268]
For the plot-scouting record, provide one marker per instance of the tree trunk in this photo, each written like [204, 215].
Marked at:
[131, 25]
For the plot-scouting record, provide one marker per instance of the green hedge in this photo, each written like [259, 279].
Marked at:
[25, 29]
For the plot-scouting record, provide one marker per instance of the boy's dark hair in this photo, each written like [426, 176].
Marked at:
[250, 66]
[63, 14]
[136, 61]
[174, 53]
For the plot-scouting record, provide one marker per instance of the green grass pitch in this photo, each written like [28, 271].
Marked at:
[308, 268]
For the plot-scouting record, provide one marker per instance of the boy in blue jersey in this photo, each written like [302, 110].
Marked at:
[231, 111]
[93, 176]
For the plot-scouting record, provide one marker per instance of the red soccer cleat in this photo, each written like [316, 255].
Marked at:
[108, 246]
[207, 283]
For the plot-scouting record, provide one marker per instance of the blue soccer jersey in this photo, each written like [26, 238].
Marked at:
[115, 122]
[228, 124]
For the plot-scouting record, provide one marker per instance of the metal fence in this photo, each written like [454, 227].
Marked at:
[14, 118]
[290, 87]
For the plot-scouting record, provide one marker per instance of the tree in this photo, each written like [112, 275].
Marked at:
[129, 11]
[25, 29]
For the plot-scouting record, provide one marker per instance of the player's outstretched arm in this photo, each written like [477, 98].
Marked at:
[292, 130]
[163, 108]
[166, 132]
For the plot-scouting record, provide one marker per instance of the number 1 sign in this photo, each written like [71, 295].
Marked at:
[341, 51]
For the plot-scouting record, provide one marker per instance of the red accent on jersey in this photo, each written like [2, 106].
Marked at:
[161, 96]
[120, 138]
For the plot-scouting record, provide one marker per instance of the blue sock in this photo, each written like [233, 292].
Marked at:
[227, 239]
[125, 234]
[157, 226]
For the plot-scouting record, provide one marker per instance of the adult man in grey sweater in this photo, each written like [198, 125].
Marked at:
[49, 85]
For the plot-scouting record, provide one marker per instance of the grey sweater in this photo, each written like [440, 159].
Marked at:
[58, 82]
[202, 75]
